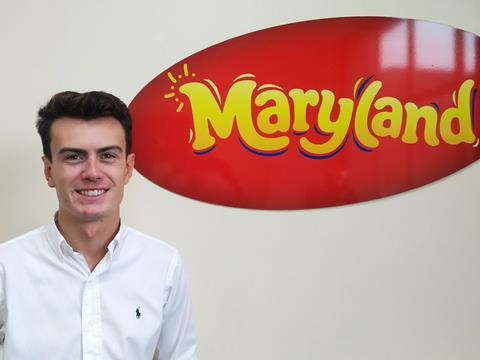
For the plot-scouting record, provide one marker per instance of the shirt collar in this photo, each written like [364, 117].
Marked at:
[61, 247]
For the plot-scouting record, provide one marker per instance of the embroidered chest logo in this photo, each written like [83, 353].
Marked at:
[138, 314]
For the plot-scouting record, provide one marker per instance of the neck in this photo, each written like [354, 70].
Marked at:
[89, 238]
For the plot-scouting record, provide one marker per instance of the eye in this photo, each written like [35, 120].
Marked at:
[109, 156]
[73, 157]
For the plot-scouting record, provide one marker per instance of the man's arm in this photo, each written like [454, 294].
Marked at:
[177, 338]
[3, 309]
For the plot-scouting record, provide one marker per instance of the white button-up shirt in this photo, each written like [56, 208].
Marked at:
[133, 304]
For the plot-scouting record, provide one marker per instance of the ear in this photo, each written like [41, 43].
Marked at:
[47, 170]
[130, 166]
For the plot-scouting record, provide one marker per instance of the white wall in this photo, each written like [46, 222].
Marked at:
[395, 278]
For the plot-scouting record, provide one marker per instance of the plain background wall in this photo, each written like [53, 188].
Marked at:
[395, 278]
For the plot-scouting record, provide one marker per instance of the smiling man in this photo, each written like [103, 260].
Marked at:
[85, 286]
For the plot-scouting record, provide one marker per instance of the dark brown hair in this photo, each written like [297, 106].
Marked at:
[86, 106]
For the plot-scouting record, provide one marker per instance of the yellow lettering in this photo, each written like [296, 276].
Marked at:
[301, 100]
[279, 111]
[362, 133]
[337, 128]
[414, 114]
[461, 114]
[207, 115]
[388, 123]
[269, 131]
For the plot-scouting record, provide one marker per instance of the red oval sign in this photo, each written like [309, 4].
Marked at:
[313, 114]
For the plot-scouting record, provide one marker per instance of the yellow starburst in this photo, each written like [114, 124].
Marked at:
[175, 79]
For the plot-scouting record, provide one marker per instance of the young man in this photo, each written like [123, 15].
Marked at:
[85, 286]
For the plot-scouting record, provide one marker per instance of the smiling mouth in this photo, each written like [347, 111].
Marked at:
[92, 193]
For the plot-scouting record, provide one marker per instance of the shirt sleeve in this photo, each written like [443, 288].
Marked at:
[177, 338]
[3, 310]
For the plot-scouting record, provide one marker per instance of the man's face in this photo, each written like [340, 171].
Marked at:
[89, 167]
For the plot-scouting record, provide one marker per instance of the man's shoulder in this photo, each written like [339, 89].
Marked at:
[22, 241]
[160, 258]
[21, 247]
[150, 244]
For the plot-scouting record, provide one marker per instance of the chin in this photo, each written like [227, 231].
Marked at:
[91, 215]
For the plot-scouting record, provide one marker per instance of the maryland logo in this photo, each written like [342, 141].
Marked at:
[366, 116]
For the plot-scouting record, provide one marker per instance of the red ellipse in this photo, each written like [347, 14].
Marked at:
[418, 64]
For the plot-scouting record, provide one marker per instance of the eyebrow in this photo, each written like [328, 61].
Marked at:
[82, 151]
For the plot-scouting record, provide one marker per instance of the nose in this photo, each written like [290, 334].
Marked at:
[92, 170]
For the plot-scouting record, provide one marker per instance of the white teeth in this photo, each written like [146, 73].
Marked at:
[91, 192]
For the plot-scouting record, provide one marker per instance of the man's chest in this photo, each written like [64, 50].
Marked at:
[67, 315]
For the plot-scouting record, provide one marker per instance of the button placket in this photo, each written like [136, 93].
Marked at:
[91, 320]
